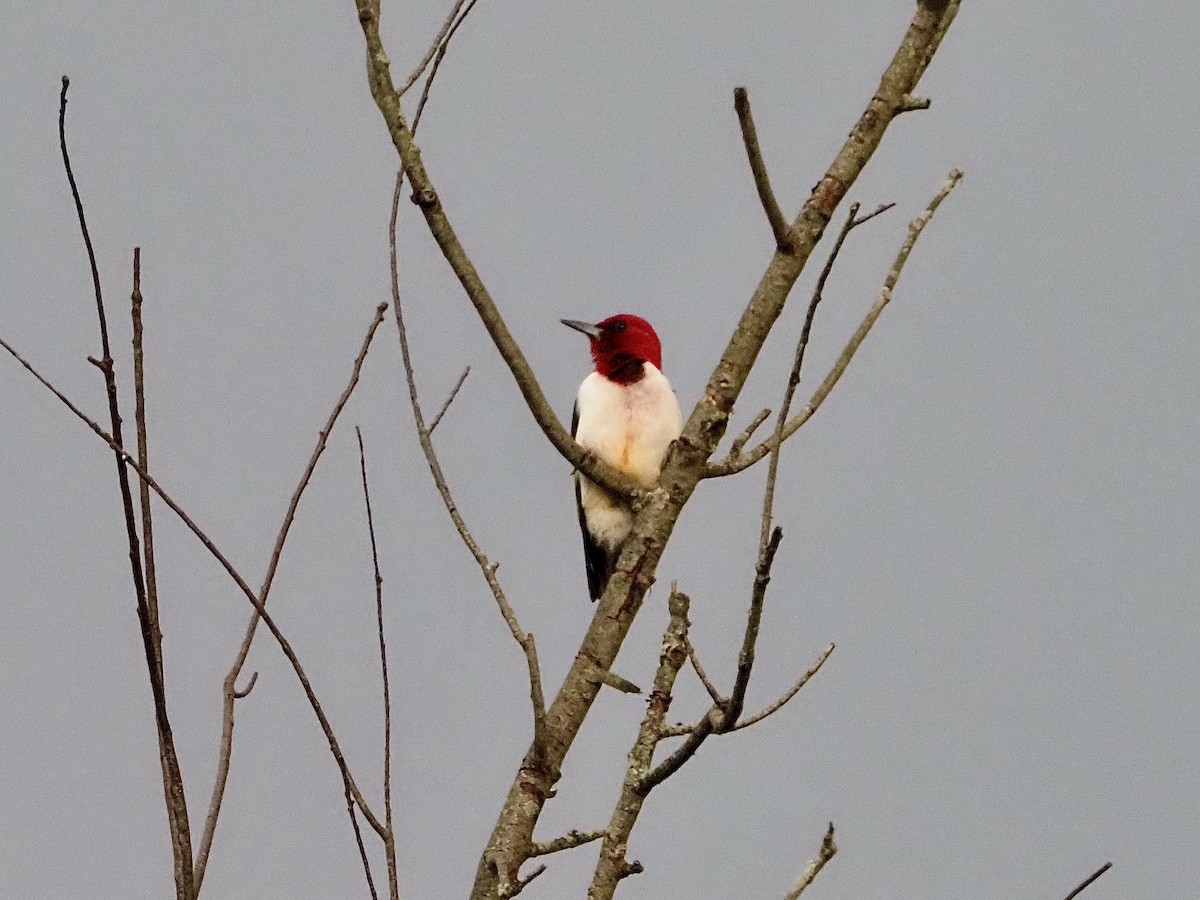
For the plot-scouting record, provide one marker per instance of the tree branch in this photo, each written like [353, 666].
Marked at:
[612, 865]
[173, 789]
[758, 168]
[731, 465]
[229, 690]
[813, 869]
[570, 840]
[788, 695]
[389, 839]
[284, 645]
[426, 197]
[488, 568]
[1087, 881]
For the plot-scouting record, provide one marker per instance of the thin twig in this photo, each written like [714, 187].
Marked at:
[788, 695]
[453, 393]
[173, 789]
[139, 414]
[389, 841]
[488, 568]
[1087, 881]
[573, 838]
[433, 48]
[758, 168]
[813, 869]
[437, 64]
[741, 440]
[284, 645]
[362, 850]
[730, 466]
[703, 676]
[229, 690]
[762, 577]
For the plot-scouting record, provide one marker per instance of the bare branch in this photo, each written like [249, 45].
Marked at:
[437, 64]
[426, 197]
[1087, 881]
[813, 869]
[173, 790]
[453, 393]
[762, 577]
[438, 42]
[612, 866]
[717, 699]
[758, 168]
[909, 103]
[362, 850]
[613, 680]
[425, 439]
[521, 884]
[284, 645]
[788, 695]
[742, 439]
[139, 393]
[229, 691]
[571, 839]
[729, 465]
[389, 839]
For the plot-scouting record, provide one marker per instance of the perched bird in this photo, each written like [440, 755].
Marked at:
[627, 414]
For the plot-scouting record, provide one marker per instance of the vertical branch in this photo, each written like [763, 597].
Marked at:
[181, 845]
[612, 865]
[389, 840]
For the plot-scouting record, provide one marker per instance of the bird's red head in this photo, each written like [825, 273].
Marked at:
[621, 344]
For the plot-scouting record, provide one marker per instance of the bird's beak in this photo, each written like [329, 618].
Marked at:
[591, 331]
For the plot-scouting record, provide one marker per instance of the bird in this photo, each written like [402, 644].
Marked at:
[627, 414]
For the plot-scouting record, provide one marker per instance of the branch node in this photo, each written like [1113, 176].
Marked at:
[909, 103]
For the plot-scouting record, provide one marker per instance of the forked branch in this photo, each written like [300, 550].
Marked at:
[733, 464]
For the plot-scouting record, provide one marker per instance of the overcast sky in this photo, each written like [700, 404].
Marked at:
[994, 516]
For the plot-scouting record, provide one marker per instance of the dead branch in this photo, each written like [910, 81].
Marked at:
[437, 64]
[788, 694]
[570, 840]
[362, 850]
[758, 168]
[1087, 881]
[438, 42]
[742, 439]
[453, 393]
[284, 645]
[488, 568]
[389, 839]
[731, 465]
[813, 869]
[173, 789]
[717, 699]
[426, 197]
[612, 865]
[229, 691]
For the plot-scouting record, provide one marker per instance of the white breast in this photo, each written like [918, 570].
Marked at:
[630, 427]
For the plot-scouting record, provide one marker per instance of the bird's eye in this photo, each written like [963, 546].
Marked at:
[618, 326]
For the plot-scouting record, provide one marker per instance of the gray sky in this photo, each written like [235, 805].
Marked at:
[995, 515]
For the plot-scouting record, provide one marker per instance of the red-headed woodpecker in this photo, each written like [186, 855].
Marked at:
[627, 414]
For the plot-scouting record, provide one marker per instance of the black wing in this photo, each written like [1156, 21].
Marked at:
[599, 563]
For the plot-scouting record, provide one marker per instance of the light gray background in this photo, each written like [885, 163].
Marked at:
[995, 515]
